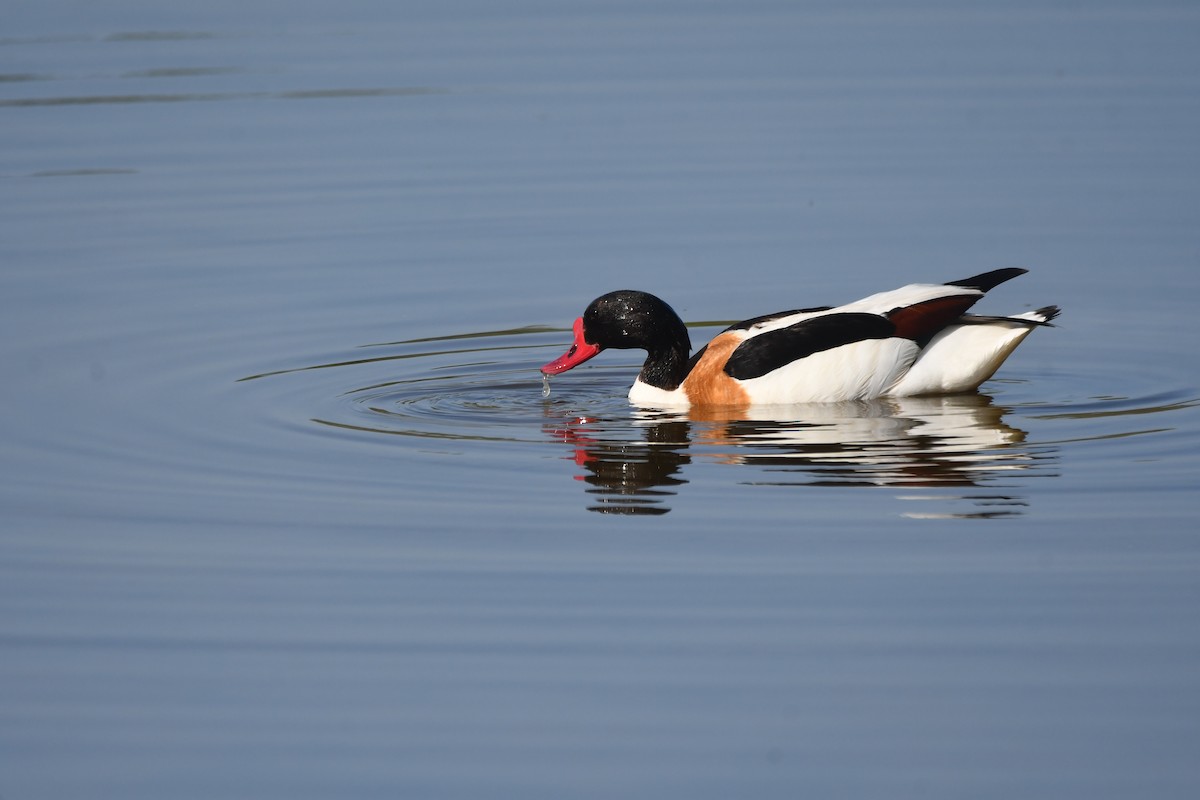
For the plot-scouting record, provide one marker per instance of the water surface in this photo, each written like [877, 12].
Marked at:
[285, 513]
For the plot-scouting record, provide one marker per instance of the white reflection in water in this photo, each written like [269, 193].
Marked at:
[959, 441]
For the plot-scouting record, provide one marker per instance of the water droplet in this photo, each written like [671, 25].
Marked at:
[545, 385]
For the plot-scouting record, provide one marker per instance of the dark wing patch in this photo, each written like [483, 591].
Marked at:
[769, 351]
[921, 321]
[747, 324]
[987, 281]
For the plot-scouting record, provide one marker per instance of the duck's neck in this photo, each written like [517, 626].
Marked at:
[667, 363]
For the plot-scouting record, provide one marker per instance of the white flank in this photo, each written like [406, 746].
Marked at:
[961, 357]
[850, 372]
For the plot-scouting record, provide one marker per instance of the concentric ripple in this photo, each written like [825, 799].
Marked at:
[485, 388]
[480, 386]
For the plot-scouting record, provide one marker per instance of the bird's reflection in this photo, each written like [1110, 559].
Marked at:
[628, 477]
[922, 442]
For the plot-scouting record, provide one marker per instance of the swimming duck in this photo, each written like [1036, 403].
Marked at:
[915, 340]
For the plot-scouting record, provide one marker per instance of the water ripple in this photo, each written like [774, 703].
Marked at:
[484, 387]
[208, 97]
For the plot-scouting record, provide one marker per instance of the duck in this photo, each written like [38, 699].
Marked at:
[912, 341]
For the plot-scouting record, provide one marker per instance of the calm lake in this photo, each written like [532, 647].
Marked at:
[285, 514]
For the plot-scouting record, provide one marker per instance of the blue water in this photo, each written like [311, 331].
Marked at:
[284, 513]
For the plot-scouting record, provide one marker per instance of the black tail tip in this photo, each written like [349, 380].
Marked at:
[987, 281]
[1049, 312]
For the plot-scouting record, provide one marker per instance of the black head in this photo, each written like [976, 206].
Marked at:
[629, 319]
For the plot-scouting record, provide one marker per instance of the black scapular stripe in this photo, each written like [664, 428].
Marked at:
[747, 324]
[769, 351]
